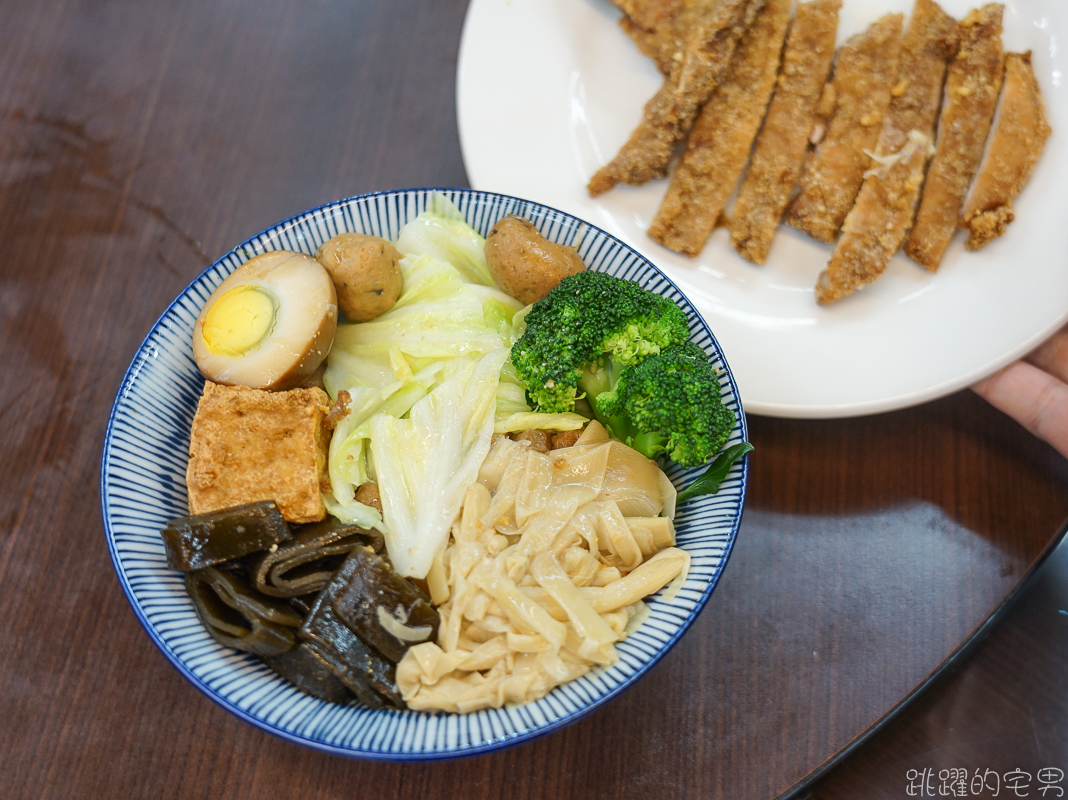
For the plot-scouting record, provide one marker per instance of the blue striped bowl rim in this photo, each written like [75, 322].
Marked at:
[143, 486]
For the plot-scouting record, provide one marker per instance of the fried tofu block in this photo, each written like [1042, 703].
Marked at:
[781, 145]
[883, 212]
[719, 144]
[248, 445]
[972, 86]
[712, 30]
[1020, 133]
[864, 73]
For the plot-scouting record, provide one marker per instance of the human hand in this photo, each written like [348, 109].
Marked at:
[1034, 391]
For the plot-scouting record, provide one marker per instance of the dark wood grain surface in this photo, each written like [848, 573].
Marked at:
[138, 142]
[1003, 708]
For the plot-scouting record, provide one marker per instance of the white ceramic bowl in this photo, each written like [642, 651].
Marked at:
[143, 486]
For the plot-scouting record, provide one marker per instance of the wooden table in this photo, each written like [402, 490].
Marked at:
[138, 142]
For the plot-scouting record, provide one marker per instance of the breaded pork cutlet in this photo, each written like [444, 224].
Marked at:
[667, 118]
[781, 145]
[719, 144]
[248, 445]
[864, 73]
[651, 25]
[650, 15]
[1019, 134]
[876, 225]
[972, 86]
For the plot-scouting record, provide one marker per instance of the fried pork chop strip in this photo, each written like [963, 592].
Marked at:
[719, 143]
[876, 225]
[650, 15]
[864, 73]
[668, 116]
[972, 86]
[1019, 134]
[651, 24]
[781, 146]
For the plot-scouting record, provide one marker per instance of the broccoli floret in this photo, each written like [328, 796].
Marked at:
[590, 316]
[669, 403]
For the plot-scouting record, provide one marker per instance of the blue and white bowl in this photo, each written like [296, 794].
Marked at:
[143, 486]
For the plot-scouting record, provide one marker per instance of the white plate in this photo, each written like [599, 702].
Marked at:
[547, 91]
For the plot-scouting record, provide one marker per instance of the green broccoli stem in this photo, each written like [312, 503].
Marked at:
[621, 427]
[618, 426]
[648, 444]
[600, 377]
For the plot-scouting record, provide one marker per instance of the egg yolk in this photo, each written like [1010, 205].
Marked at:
[240, 320]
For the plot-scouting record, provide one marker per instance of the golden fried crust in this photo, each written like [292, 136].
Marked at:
[651, 24]
[926, 49]
[1020, 133]
[649, 14]
[781, 146]
[248, 445]
[719, 144]
[972, 86]
[657, 45]
[864, 73]
[876, 225]
[709, 44]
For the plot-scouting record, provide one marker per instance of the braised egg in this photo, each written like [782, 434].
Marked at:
[269, 324]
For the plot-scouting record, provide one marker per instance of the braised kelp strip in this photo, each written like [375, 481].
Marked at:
[367, 674]
[238, 616]
[305, 564]
[310, 672]
[864, 73]
[384, 609]
[972, 86]
[668, 116]
[876, 225]
[783, 140]
[719, 144]
[1020, 132]
[207, 539]
[347, 668]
